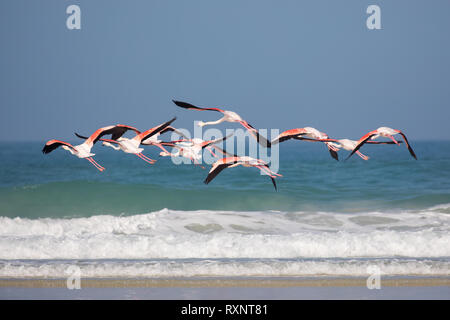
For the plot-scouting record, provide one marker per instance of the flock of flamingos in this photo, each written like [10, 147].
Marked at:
[193, 148]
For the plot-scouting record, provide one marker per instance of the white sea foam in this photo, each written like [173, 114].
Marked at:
[228, 268]
[169, 234]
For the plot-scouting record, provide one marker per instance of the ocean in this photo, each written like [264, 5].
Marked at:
[138, 220]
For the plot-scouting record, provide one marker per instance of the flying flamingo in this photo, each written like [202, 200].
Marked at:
[228, 116]
[231, 162]
[192, 148]
[347, 144]
[132, 145]
[382, 132]
[82, 151]
[311, 133]
[151, 140]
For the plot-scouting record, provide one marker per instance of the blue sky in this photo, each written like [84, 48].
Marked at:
[279, 64]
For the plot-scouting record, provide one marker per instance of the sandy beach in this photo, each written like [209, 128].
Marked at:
[228, 288]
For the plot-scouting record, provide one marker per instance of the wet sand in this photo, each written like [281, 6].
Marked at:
[228, 288]
[226, 282]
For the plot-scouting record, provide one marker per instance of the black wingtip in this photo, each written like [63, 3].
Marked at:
[412, 153]
[274, 184]
[208, 179]
[80, 136]
[262, 140]
[166, 124]
[228, 136]
[177, 102]
[334, 155]
[408, 145]
[183, 104]
[351, 153]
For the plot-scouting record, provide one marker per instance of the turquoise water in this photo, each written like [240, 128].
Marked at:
[33, 185]
[139, 220]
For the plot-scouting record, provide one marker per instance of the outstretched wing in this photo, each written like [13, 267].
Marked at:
[274, 183]
[151, 132]
[80, 136]
[284, 138]
[216, 170]
[383, 142]
[289, 134]
[272, 178]
[361, 142]
[208, 143]
[314, 140]
[172, 129]
[224, 152]
[408, 146]
[98, 134]
[186, 105]
[334, 140]
[333, 154]
[116, 132]
[54, 144]
[120, 129]
[259, 138]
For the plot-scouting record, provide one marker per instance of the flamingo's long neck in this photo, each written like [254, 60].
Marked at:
[69, 149]
[213, 122]
[107, 144]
